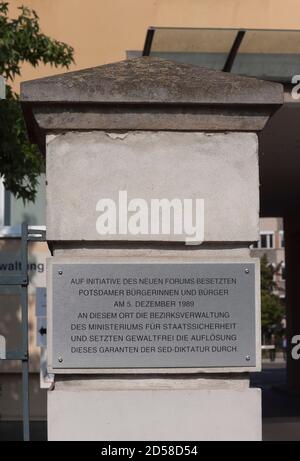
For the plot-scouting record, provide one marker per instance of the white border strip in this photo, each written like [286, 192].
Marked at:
[2, 202]
[16, 231]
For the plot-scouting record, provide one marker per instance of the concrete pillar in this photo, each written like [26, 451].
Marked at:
[292, 255]
[155, 129]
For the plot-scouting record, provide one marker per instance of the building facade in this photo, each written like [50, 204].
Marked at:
[271, 244]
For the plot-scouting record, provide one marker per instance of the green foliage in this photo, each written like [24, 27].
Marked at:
[272, 310]
[22, 41]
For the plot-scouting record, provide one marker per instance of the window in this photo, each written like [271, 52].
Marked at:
[266, 241]
[281, 237]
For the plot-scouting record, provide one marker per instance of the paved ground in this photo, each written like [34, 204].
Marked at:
[281, 411]
[12, 431]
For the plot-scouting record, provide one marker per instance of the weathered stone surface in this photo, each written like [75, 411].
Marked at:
[220, 168]
[147, 94]
[141, 117]
[151, 80]
[124, 99]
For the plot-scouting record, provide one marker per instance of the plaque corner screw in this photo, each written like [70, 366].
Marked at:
[247, 271]
[248, 358]
[60, 359]
[60, 272]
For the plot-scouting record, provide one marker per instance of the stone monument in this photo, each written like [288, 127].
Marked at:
[152, 204]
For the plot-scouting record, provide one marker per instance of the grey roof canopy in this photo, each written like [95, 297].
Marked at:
[268, 54]
[147, 93]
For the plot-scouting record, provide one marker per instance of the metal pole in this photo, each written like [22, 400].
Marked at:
[233, 52]
[148, 42]
[24, 304]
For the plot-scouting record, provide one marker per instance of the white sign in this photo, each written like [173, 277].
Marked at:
[41, 332]
[41, 302]
[2, 88]
[2, 347]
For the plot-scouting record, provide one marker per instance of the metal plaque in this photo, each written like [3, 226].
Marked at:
[161, 315]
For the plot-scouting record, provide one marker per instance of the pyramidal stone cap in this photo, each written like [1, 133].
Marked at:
[148, 93]
[148, 80]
